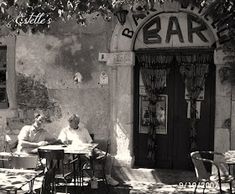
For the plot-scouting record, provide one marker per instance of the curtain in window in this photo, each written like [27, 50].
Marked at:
[194, 75]
[154, 71]
[194, 69]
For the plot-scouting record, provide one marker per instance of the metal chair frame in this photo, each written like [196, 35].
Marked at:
[89, 165]
[204, 176]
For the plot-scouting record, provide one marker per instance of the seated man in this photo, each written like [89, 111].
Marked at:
[81, 135]
[34, 136]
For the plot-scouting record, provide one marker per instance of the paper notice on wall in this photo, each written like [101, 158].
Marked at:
[198, 109]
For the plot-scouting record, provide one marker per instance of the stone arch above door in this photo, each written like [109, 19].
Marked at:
[124, 37]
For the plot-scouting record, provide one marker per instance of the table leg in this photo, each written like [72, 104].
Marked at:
[74, 171]
[80, 171]
[92, 166]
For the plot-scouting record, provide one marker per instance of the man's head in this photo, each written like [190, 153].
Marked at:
[74, 121]
[39, 120]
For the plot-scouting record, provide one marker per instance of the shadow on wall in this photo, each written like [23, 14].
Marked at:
[79, 54]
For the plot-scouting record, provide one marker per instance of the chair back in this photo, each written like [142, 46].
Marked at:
[199, 166]
[51, 154]
[23, 161]
[52, 157]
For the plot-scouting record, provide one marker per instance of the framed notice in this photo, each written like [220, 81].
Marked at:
[161, 114]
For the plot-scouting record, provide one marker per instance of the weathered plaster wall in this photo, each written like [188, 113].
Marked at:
[121, 92]
[46, 65]
[222, 140]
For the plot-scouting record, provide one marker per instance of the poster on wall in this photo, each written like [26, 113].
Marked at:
[161, 114]
[144, 121]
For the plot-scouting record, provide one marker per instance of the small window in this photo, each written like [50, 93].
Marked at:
[3, 78]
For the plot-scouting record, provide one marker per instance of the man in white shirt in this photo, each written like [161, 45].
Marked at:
[34, 136]
[80, 135]
[74, 133]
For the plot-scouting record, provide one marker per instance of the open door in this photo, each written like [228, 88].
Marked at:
[173, 133]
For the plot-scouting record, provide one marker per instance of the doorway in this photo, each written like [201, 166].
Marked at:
[173, 138]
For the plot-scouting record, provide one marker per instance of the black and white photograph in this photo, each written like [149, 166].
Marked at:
[117, 96]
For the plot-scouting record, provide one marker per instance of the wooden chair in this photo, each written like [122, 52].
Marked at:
[54, 171]
[204, 162]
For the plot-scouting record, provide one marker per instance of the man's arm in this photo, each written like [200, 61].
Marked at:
[87, 136]
[28, 144]
[24, 142]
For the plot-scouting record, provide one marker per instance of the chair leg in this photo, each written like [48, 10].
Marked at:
[31, 186]
[196, 187]
[66, 186]
[105, 180]
[220, 187]
[231, 188]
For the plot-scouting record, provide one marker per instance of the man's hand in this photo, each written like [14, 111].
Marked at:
[42, 143]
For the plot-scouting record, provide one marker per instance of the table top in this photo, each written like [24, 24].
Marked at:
[72, 149]
[14, 179]
[230, 157]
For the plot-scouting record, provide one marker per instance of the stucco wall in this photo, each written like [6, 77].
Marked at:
[222, 107]
[46, 65]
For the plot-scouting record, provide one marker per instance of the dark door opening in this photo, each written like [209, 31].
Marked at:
[173, 145]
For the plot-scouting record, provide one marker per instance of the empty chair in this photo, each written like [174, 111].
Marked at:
[205, 162]
[23, 161]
